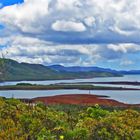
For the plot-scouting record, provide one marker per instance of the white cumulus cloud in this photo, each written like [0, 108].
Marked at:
[124, 48]
[70, 32]
[37, 16]
[68, 26]
[26, 16]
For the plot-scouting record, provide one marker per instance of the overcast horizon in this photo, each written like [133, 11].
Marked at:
[72, 33]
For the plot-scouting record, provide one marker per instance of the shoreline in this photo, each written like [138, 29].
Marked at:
[110, 83]
[55, 79]
[27, 86]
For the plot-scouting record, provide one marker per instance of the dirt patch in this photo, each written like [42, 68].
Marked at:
[80, 99]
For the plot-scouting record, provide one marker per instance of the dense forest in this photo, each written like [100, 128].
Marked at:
[22, 121]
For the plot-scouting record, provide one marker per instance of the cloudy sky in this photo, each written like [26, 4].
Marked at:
[103, 33]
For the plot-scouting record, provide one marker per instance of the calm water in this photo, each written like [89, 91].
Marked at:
[103, 79]
[132, 97]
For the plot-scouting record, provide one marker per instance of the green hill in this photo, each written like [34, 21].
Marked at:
[22, 71]
[11, 70]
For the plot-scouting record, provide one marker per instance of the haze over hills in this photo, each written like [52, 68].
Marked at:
[61, 68]
[23, 71]
[81, 69]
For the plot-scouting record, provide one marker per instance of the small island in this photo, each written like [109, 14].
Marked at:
[28, 86]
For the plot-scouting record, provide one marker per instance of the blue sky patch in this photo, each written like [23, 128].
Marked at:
[9, 2]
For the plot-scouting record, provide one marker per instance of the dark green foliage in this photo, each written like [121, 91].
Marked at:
[25, 84]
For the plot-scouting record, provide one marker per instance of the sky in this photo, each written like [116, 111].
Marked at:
[104, 33]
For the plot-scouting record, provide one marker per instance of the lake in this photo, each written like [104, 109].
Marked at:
[131, 97]
[133, 78]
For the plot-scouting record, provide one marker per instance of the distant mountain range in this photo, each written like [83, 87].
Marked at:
[77, 69]
[130, 72]
[11, 70]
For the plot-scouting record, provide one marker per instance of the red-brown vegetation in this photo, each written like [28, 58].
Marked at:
[80, 99]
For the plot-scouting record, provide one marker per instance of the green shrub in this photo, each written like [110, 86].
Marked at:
[20, 121]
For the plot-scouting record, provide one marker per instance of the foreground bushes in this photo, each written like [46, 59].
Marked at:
[19, 121]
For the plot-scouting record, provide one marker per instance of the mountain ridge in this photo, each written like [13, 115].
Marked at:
[91, 68]
[81, 68]
[11, 70]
